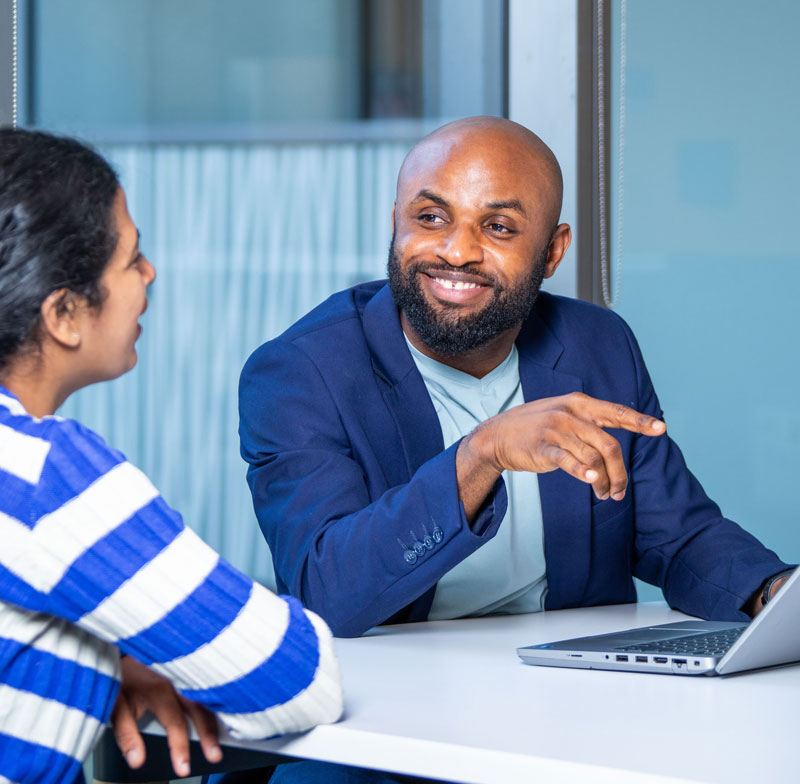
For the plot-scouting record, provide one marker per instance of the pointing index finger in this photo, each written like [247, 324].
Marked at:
[606, 414]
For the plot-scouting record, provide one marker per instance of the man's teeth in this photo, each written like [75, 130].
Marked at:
[456, 284]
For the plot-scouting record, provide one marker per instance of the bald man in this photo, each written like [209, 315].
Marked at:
[456, 443]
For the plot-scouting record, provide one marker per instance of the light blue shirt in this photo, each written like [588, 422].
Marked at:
[507, 574]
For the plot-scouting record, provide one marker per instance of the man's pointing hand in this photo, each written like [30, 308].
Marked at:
[567, 432]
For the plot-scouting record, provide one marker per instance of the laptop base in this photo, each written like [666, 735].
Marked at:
[645, 649]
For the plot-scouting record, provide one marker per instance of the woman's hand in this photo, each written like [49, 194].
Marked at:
[143, 690]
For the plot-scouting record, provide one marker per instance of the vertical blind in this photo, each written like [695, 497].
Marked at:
[245, 239]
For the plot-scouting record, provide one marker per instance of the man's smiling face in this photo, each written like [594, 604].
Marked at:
[475, 212]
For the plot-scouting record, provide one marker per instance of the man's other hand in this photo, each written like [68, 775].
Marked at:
[755, 604]
[143, 690]
[566, 432]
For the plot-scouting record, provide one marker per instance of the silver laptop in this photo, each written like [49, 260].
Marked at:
[688, 647]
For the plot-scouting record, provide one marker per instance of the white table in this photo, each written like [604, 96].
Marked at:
[451, 700]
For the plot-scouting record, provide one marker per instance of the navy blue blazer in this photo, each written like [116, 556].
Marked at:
[350, 477]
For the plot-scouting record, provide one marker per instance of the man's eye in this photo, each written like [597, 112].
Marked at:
[431, 218]
[500, 228]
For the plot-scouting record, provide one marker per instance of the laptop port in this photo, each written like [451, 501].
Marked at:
[660, 659]
[641, 659]
[679, 662]
[621, 658]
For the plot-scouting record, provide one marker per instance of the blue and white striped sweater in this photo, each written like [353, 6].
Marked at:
[85, 537]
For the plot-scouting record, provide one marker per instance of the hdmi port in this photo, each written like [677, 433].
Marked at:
[660, 659]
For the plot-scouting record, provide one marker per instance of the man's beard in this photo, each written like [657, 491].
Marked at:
[445, 330]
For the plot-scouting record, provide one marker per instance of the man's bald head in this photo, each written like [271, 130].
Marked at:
[475, 233]
[510, 145]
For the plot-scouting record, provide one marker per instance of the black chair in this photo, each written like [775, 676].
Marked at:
[253, 776]
[241, 766]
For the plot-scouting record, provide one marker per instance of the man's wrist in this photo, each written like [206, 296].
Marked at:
[476, 471]
[480, 446]
[774, 583]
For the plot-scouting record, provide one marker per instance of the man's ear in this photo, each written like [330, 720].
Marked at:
[60, 318]
[562, 237]
[394, 207]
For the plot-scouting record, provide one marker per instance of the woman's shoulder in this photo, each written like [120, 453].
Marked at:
[46, 463]
[19, 427]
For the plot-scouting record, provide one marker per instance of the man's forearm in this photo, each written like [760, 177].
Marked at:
[403, 541]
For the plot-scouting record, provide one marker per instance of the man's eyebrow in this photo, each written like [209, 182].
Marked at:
[510, 204]
[425, 195]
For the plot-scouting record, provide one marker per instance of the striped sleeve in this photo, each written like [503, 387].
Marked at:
[99, 547]
[57, 688]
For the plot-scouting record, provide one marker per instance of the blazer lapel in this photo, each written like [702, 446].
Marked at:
[403, 389]
[566, 501]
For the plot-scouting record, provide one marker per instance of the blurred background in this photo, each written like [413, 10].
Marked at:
[258, 143]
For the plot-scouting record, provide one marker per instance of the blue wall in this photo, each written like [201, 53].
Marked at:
[711, 256]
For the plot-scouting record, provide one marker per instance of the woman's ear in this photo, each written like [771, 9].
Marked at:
[60, 320]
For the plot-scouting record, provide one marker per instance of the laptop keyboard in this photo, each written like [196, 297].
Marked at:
[708, 644]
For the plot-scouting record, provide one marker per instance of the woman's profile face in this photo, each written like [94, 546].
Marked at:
[108, 335]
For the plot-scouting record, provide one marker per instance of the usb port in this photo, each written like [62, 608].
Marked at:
[660, 659]
[641, 659]
[621, 658]
[679, 661]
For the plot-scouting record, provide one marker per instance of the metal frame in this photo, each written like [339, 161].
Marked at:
[506, 66]
[590, 25]
[24, 24]
[6, 61]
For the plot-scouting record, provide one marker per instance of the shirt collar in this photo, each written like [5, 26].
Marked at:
[10, 401]
[446, 375]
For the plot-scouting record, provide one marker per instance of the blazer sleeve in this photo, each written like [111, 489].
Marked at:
[707, 565]
[354, 559]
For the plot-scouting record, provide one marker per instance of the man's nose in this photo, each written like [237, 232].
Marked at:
[461, 246]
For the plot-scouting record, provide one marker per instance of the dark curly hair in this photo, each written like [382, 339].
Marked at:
[56, 228]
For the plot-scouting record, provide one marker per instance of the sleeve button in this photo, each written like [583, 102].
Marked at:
[437, 534]
[410, 556]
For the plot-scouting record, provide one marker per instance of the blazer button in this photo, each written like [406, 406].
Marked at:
[419, 548]
[428, 542]
[437, 534]
[410, 556]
